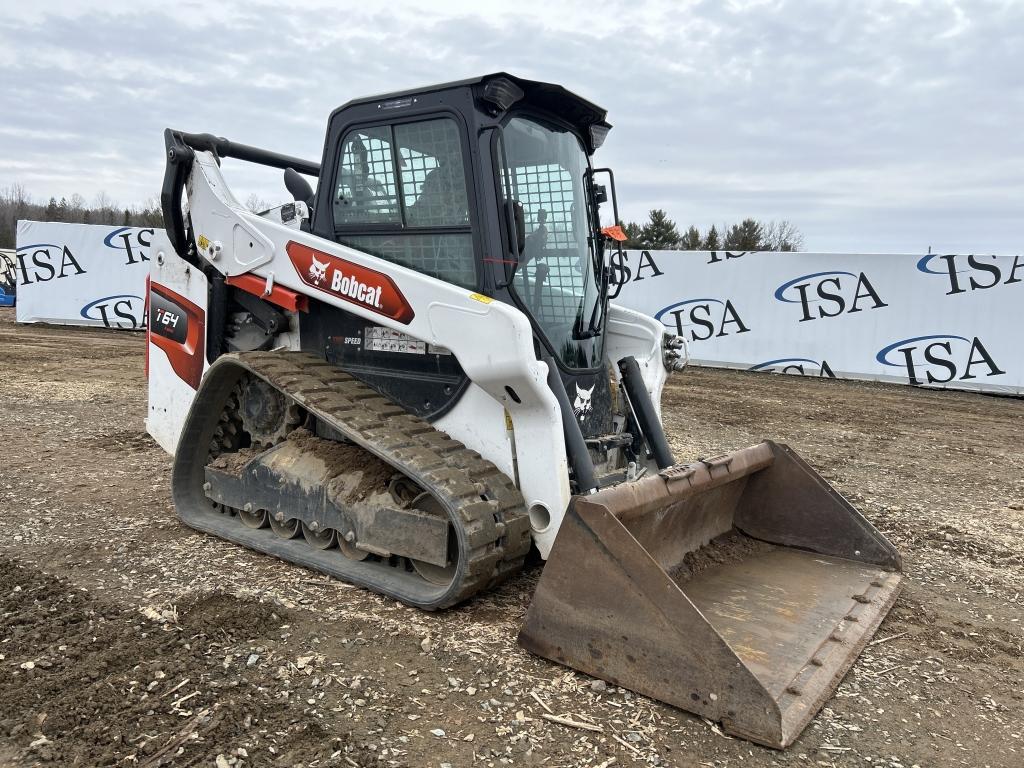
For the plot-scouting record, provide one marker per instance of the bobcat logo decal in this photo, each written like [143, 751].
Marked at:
[318, 271]
[582, 405]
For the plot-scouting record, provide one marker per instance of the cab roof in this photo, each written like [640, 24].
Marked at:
[549, 97]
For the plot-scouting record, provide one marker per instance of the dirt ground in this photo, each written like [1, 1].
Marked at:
[128, 639]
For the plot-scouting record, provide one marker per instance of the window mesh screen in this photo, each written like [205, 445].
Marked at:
[433, 192]
[546, 192]
[433, 179]
[446, 257]
[367, 192]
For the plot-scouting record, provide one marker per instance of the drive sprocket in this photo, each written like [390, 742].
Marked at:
[266, 414]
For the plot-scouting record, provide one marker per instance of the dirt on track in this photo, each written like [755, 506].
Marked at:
[129, 639]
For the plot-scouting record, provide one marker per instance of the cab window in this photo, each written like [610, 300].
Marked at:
[400, 195]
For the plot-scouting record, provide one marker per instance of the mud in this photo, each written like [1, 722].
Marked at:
[344, 677]
[730, 547]
[235, 461]
[86, 682]
[358, 474]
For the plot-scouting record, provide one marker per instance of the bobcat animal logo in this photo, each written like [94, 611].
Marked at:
[318, 271]
[582, 405]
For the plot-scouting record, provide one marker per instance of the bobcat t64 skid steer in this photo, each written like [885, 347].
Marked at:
[412, 376]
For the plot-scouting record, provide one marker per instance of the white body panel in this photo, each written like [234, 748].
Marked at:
[169, 396]
[478, 420]
[629, 332]
[237, 241]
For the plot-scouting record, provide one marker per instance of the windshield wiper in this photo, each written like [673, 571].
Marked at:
[592, 330]
[578, 333]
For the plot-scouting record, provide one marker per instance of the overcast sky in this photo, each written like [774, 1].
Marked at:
[873, 126]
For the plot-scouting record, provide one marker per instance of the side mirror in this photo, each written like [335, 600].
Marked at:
[600, 194]
[300, 189]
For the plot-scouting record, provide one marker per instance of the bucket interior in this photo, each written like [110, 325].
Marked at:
[779, 608]
[781, 566]
[741, 588]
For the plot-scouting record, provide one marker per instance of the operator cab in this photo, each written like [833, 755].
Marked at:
[483, 183]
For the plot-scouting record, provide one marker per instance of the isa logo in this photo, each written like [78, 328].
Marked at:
[830, 294]
[700, 319]
[799, 366]
[43, 262]
[940, 358]
[133, 243]
[973, 273]
[124, 311]
[623, 273]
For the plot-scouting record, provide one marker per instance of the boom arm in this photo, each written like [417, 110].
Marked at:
[493, 342]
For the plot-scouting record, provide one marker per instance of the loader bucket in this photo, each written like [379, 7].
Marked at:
[740, 588]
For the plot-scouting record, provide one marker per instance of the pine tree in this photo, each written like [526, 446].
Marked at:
[746, 236]
[632, 230]
[691, 240]
[659, 233]
[52, 211]
[711, 241]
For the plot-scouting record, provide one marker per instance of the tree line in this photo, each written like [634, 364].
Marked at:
[660, 233]
[16, 203]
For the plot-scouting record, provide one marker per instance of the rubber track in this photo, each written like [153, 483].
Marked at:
[497, 528]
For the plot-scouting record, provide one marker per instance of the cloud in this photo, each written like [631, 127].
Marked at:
[874, 126]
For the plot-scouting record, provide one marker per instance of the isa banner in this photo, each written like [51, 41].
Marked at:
[82, 274]
[936, 320]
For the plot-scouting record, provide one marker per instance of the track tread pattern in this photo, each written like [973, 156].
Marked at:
[482, 500]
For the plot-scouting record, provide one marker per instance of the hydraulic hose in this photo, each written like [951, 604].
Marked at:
[575, 446]
[643, 409]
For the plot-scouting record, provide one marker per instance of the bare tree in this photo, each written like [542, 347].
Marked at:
[104, 209]
[76, 205]
[256, 204]
[102, 201]
[781, 236]
[15, 204]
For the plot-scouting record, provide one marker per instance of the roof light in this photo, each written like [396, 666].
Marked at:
[598, 133]
[501, 93]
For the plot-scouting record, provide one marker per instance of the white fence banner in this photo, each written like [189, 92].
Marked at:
[939, 320]
[82, 274]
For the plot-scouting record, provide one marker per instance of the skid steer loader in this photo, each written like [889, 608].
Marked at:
[412, 376]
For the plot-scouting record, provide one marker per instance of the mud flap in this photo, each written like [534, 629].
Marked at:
[740, 588]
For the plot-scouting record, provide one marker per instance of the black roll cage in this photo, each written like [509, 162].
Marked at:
[181, 148]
